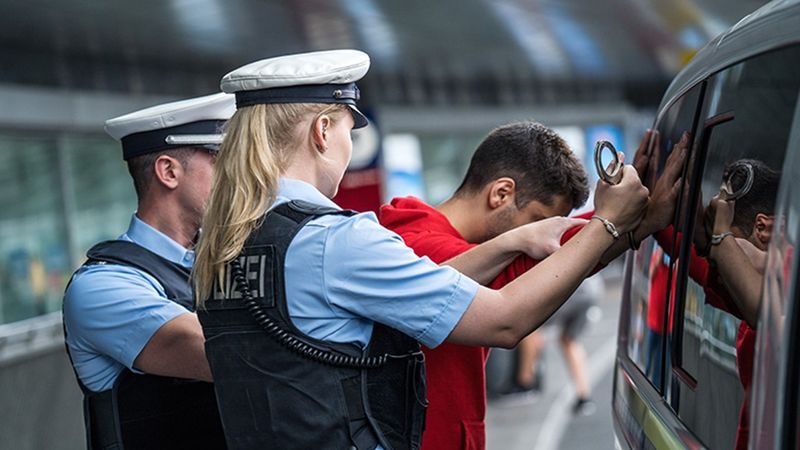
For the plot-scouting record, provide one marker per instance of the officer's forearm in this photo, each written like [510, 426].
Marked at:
[177, 349]
[502, 318]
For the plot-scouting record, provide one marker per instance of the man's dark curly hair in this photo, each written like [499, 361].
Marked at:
[538, 160]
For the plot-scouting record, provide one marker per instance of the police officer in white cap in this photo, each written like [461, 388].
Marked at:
[133, 339]
[313, 314]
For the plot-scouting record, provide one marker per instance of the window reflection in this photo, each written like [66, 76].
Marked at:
[687, 334]
[746, 121]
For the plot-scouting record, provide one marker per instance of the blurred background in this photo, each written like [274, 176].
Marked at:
[443, 74]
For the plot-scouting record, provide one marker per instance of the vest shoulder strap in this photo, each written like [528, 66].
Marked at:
[173, 277]
[300, 210]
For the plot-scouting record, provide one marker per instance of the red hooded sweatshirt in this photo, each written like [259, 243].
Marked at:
[455, 373]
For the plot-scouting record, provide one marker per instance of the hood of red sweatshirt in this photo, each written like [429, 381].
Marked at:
[407, 214]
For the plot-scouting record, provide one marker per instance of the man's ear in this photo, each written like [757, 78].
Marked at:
[167, 171]
[501, 192]
[319, 133]
[763, 227]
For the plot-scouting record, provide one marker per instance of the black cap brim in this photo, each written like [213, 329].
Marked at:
[359, 119]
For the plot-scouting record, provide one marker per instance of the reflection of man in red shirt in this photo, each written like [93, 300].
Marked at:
[732, 275]
[656, 313]
[749, 222]
[519, 174]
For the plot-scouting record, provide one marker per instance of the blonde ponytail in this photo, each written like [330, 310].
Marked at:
[259, 143]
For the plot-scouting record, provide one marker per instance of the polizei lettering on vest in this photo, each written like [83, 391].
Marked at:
[257, 266]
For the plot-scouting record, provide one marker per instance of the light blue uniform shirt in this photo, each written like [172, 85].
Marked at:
[344, 273]
[112, 311]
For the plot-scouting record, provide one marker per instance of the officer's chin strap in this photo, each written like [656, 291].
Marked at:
[286, 339]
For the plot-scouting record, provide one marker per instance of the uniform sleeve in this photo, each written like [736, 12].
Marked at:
[370, 272]
[115, 310]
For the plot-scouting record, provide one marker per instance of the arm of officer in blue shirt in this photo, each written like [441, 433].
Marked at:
[120, 316]
[368, 272]
[177, 349]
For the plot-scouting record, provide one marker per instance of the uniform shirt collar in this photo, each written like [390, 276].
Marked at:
[157, 242]
[293, 189]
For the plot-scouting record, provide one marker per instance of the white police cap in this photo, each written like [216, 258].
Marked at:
[315, 77]
[193, 122]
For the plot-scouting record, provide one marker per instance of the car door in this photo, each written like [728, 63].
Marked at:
[747, 115]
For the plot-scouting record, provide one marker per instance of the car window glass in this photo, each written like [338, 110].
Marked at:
[648, 328]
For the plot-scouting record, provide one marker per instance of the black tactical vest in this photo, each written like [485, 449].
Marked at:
[149, 411]
[279, 388]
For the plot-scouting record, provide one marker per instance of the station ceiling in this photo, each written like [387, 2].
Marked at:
[186, 45]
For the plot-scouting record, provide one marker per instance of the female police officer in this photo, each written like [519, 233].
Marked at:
[312, 314]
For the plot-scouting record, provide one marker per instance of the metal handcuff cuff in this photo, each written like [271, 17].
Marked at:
[612, 176]
[727, 192]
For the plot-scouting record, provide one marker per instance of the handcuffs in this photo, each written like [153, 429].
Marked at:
[727, 191]
[615, 175]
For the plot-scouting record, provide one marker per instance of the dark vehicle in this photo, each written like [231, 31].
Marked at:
[684, 353]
